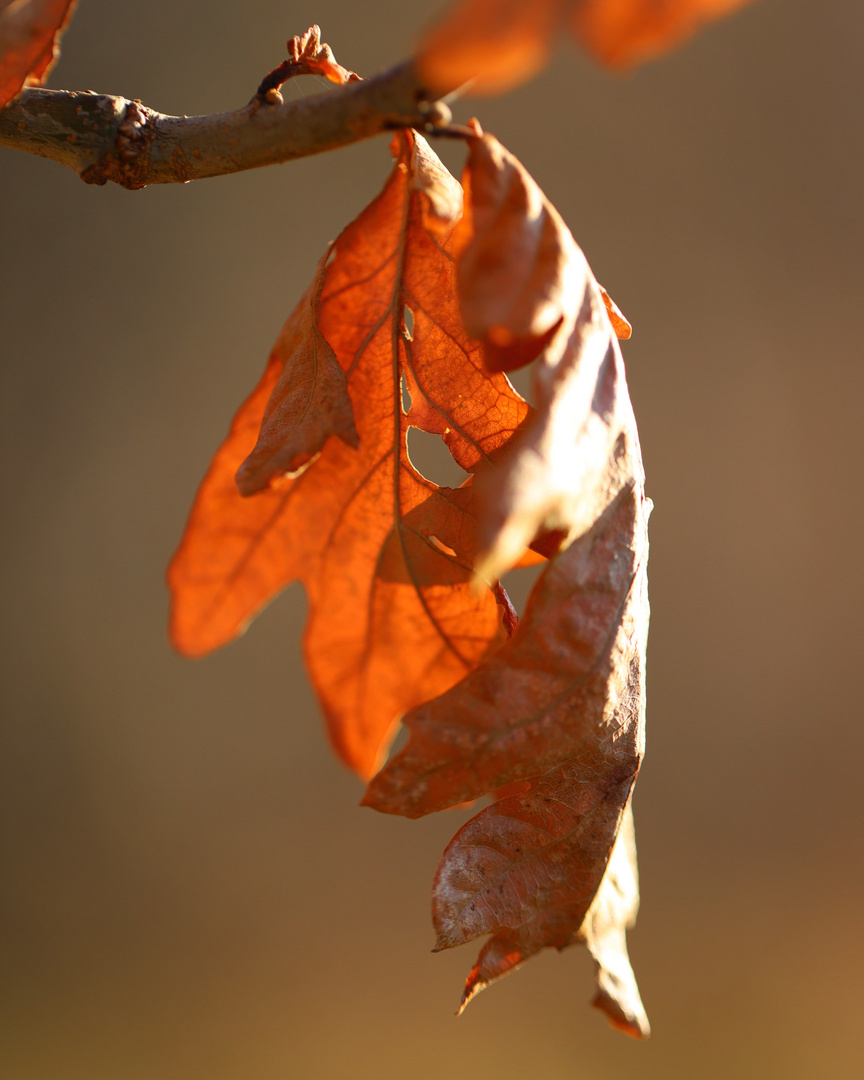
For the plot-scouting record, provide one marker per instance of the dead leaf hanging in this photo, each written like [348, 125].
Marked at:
[388, 558]
[385, 555]
[560, 707]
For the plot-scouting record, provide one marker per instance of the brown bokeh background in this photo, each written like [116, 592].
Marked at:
[189, 889]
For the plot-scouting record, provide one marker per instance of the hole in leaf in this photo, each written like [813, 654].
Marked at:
[522, 381]
[408, 322]
[406, 397]
[439, 545]
[431, 458]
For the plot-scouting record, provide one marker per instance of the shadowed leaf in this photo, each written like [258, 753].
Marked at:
[561, 706]
[556, 478]
[308, 404]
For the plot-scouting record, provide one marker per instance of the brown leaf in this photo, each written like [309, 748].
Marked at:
[29, 34]
[560, 707]
[309, 402]
[549, 693]
[611, 914]
[497, 44]
[526, 869]
[385, 555]
[521, 269]
[556, 478]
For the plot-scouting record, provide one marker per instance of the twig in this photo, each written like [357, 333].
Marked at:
[111, 138]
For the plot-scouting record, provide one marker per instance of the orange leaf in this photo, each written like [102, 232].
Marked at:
[385, 555]
[497, 44]
[627, 31]
[493, 44]
[29, 34]
[621, 326]
[316, 57]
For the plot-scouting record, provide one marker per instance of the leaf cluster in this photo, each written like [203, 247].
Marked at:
[414, 317]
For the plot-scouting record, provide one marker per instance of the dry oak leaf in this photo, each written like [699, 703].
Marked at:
[497, 44]
[545, 695]
[522, 270]
[386, 556]
[29, 34]
[561, 705]
[556, 477]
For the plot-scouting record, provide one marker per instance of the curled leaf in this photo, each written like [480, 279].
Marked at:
[546, 715]
[556, 715]
[556, 479]
[522, 269]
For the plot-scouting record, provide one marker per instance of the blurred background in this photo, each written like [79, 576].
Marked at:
[189, 888]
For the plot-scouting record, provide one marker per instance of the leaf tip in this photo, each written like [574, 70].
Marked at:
[473, 985]
[620, 324]
[633, 1022]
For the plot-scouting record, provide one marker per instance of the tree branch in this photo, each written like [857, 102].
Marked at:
[111, 138]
